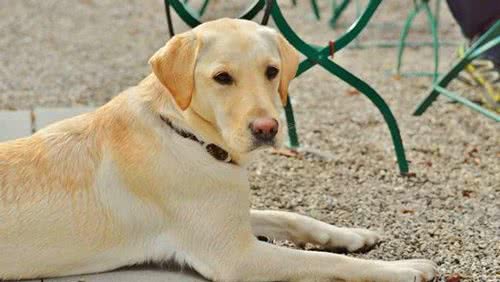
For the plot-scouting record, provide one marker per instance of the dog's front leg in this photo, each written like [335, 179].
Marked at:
[301, 229]
[267, 262]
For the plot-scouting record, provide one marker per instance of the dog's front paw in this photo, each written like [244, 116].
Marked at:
[343, 240]
[354, 240]
[414, 270]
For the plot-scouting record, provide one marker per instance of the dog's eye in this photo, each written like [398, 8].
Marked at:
[223, 78]
[271, 72]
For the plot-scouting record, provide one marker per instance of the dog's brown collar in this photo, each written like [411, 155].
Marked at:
[217, 152]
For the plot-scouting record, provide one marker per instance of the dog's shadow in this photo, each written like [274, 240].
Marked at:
[149, 272]
[155, 272]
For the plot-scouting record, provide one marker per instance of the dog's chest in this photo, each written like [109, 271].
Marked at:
[175, 194]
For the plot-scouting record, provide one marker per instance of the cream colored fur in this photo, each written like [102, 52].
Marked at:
[118, 186]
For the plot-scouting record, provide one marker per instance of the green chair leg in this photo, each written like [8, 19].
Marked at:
[203, 8]
[337, 11]
[490, 39]
[384, 109]
[372, 95]
[437, 11]
[404, 35]
[433, 24]
[453, 96]
[315, 8]
[293, 138]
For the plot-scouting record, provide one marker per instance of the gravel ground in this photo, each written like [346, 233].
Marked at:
[61, 53]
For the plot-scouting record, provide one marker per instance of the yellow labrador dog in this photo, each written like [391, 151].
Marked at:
[159, 173]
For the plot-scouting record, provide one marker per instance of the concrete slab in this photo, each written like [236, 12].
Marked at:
[37, 280]
[14, 124]
[46, 116]
[134, 275]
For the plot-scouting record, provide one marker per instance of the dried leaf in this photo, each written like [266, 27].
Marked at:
[285, 152]
[408, 211]
[352, 92]
[453, 278]
[410, 174]
[472, 152]
[467, 193]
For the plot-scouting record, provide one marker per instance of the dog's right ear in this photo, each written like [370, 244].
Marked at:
[289, 64]
[174, 66]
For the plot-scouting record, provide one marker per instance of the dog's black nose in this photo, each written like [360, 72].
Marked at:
[264, 129]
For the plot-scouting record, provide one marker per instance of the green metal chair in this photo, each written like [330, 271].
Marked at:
[488, 40]
[317, 55]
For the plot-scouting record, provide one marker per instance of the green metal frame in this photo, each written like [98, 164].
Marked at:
[337, 11]
[202, 9]
[314, 7]
[319, 56]
[192, 18]
[488, 40]
[421, 5]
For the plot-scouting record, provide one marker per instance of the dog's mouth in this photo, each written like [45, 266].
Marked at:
[244, 144]
[259, 144]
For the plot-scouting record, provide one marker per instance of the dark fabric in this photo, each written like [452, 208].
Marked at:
[475, 17]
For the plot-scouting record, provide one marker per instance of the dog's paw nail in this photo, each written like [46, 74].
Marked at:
[263, 238]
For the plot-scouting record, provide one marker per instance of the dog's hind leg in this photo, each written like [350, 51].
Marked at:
[301, 229]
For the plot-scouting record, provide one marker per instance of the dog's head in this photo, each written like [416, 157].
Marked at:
[234, 74]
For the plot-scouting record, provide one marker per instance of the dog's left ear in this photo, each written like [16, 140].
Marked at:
[174, 66]
[289, 64]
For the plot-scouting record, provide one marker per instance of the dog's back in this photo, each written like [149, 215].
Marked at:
[72, 195]
[40, 176]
